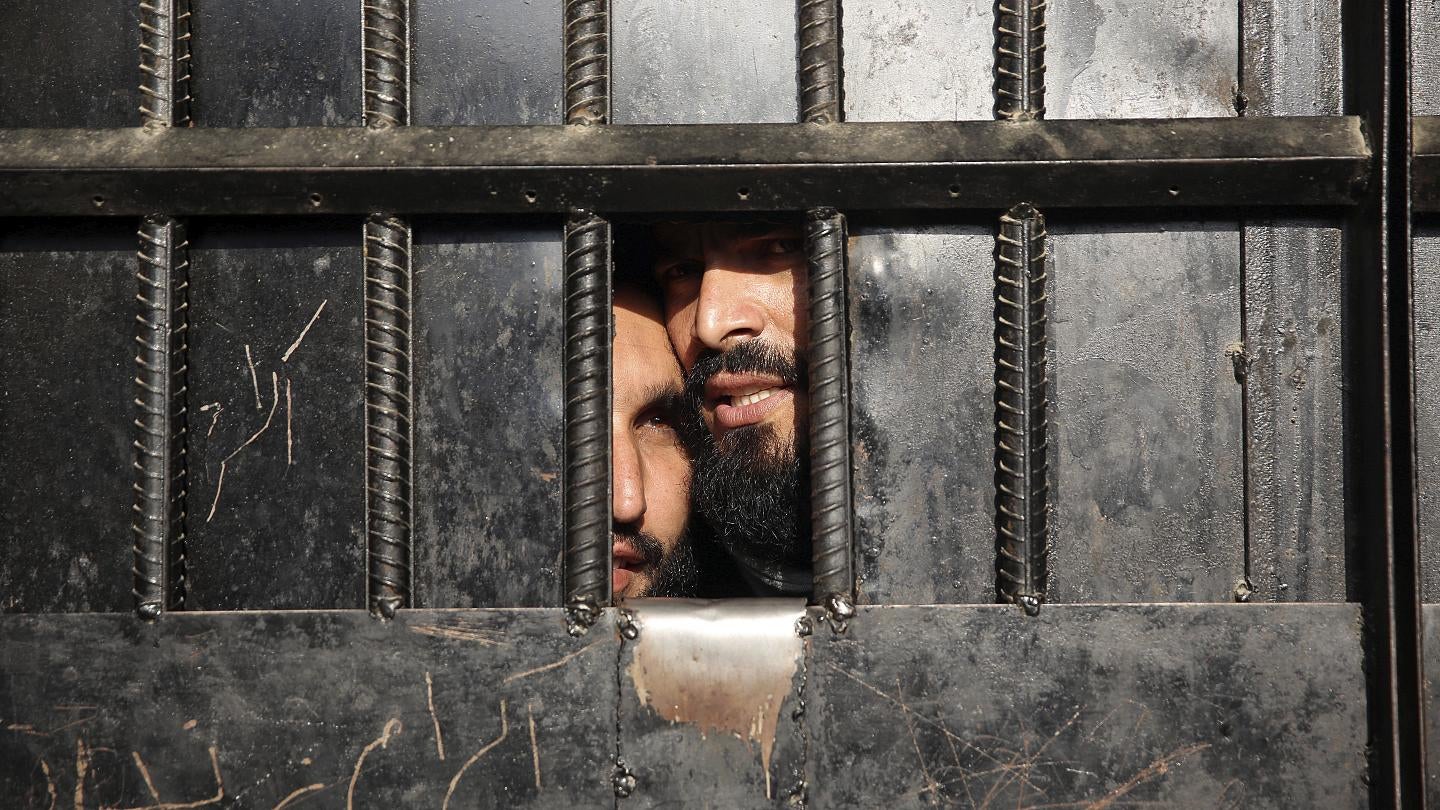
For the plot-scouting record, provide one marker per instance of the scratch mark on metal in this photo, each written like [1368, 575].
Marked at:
[296, 794]
[430, 702]
[504, 732]
[214, 417]
[254, 381]
[82, 766]
[145, 774]
[534, 745]
[556, 664]
[289, 432]
[216, 799]
[392, 726]
[220, 481]
[285, 358]
[456, 633]
[1157, 768]
[49, 784]
[931, 785]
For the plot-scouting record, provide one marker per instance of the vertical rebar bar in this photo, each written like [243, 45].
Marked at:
[1022, 490]
[1021, 467]
[821, 96]
[162, 279]
[389, 406]
[587, 335]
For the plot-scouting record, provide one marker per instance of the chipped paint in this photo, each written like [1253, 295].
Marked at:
[723, 666]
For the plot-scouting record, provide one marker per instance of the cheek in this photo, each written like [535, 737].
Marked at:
[680, 328]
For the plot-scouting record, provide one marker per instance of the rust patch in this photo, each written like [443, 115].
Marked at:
[723, 666]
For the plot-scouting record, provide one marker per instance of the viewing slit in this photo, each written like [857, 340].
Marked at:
[162, 349]
[389, 404]
[587, 336]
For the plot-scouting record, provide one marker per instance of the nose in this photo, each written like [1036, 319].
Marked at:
[627, 502]
[728, 312]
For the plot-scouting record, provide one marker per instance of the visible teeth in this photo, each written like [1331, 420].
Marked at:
[750, 399]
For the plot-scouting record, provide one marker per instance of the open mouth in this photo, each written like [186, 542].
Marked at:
[626, 562]
[745, 399]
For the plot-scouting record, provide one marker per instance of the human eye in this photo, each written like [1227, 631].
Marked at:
[785, 246]
[677, 272]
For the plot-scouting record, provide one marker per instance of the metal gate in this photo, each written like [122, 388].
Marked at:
[317, 517]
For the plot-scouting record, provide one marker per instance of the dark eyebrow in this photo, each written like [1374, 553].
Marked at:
[664, 396]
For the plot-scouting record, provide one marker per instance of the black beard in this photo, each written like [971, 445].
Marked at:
[750, 487]
[672, 574]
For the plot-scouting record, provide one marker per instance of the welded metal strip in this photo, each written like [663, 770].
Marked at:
[831, 522]
[587, 334]
[161, 424]
[1020, 59]
[1293, 162]
[389, 406]
[1022, 488]
[162, 278]
[1021, 388]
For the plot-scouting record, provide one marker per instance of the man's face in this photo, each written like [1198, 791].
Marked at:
[735, 309]
[650, 507]
[726, 284]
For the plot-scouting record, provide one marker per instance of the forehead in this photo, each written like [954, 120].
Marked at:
[691, 237]
[644, 360]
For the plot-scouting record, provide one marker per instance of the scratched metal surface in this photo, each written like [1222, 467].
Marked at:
[921, 310]
[1146, 441]
[86, 80]
[488, 329]
[728, 61]
[284, 527]
[66, 366]
[1425, 57]
[1090, 706]
[1427, 405]
[326, 709]
[1294, 328]
[276, 63]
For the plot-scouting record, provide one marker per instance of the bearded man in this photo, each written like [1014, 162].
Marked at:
[735, 299]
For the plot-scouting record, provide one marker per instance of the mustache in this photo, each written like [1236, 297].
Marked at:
[751, 356]
[649, 548]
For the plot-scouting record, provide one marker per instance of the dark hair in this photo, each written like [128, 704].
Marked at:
[632, 254]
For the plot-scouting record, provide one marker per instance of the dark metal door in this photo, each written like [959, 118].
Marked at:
[316, 517]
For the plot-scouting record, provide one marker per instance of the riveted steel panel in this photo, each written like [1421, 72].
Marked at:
[1090, 706]
[277, 485]
[335, 709]
[1430, 637]
[66, 370]
[488, 434]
